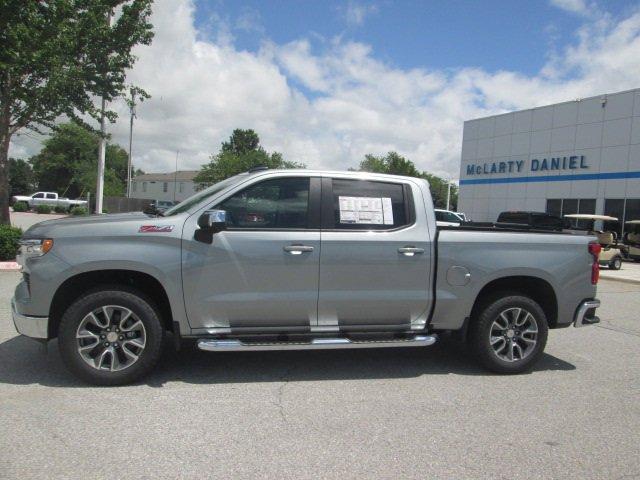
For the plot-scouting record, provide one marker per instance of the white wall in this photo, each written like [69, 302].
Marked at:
[155, 190]
[608, 136]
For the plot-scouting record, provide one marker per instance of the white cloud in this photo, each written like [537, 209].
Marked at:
[573, 6]
[329, 103]
[356, 13]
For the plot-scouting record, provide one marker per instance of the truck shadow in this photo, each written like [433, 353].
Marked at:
[25, 362]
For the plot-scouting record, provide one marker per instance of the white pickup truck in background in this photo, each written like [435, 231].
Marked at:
[47, 198]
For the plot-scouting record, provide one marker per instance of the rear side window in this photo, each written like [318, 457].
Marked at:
[514, 217]
[447, 217]
[279, 204]
[51, 195]
[546, 221]
[367, 205]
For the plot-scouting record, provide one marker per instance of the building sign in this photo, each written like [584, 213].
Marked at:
[573, 162]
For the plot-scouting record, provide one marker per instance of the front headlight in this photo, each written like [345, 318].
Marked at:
[33, 248]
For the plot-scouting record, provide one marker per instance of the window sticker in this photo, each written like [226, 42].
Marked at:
[366, 210]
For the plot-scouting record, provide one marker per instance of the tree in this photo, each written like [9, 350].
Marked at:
[57, 57]
[21, 178]
[241, 153]
[68, 163]
[395, 164]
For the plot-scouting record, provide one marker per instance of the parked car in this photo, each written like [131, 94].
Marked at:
[447, 218]
[159, 206]
[632, 240]
[47, 198]
[297, 259]
[612, 252]
[533, 220]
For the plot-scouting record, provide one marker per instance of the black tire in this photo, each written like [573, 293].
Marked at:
[480, 331]
[131, 299]
[615, 263]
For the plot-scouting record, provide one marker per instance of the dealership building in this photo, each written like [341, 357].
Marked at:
[581, 156]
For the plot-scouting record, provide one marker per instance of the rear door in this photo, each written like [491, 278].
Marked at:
[376, 260]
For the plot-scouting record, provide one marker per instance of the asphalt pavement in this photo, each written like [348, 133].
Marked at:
[388, 413]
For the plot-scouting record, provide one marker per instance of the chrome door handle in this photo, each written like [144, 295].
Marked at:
[410, 251]
[297, 249]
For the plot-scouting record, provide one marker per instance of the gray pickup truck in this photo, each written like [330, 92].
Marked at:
[296, 259]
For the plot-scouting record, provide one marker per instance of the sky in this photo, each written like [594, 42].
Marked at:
[326, 82]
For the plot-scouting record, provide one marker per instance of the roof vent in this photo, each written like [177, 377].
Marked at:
[258, 168]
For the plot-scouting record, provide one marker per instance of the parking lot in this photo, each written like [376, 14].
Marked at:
[390, 413]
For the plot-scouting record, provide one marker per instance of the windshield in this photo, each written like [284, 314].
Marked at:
[201, 196]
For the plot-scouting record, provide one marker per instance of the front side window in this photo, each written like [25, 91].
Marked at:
[281, 203]
[38, 195]
[367, 205]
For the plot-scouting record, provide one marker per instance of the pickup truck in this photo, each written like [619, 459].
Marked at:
[296, 259]
[47, 198]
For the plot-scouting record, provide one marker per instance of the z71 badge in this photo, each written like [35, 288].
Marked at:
[155, 229]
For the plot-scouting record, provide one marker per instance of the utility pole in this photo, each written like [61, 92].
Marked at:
[103, 147]
[448, 194]
[132, 111]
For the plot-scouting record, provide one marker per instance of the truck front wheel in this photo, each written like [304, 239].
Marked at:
[110, 336]
[509, 334]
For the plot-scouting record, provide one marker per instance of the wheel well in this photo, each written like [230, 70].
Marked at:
[76, 286]
[535, 288]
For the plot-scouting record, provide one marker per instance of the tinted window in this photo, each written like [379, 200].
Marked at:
[614, 207]
[38, 195]
[554, 207]
[366, 205]
[279, 203]
[51, 195]
[514, 217]
[546, 221]
[447, 217]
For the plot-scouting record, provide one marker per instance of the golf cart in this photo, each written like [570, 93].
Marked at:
[612, 253]
[632, 240]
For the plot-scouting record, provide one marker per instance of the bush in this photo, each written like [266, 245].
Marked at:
[20, 207]
[9, 237]
[43, 209]
[60, 209]
[79, 211]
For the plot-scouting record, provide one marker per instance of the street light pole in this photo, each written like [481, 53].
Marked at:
[175, 177]
[132, 111]
[101, 159]
[102, 150]
[448, 194]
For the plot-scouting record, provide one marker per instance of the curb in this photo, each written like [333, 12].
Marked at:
[9, 267]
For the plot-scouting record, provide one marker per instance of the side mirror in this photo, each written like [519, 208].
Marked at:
[213, 221]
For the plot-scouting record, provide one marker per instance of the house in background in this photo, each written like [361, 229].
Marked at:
[164, 186]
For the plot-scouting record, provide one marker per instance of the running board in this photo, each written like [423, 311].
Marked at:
[231, 345]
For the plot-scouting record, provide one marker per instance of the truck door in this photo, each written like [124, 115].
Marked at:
[375, 264]
[261, 274]
[37, 199]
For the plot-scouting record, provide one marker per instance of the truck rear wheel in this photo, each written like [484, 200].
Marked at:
[112, 336]
[509, 334]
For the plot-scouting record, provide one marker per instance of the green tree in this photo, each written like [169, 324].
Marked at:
[21, 178]
[395, 164]
[68, 163]
[241, 153]
[57, 58]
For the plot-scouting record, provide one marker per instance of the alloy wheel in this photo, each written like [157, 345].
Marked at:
[111, 338]
[514, 334]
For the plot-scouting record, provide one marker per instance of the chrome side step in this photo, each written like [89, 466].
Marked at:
[231, 345]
